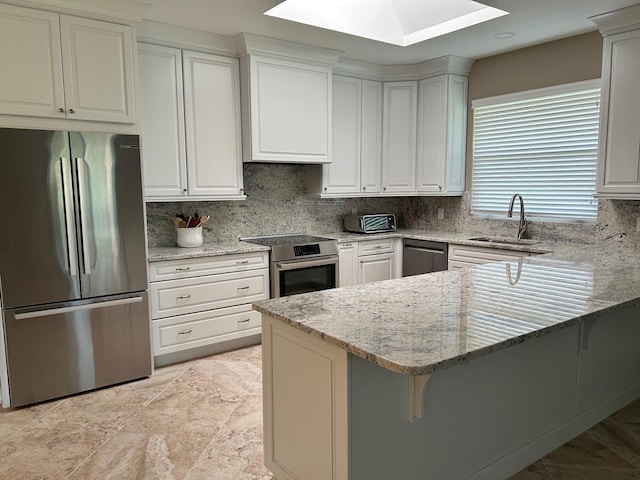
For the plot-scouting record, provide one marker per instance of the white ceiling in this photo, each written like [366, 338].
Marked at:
[532, 21]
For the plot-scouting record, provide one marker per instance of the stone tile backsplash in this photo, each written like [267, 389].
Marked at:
[278, 202]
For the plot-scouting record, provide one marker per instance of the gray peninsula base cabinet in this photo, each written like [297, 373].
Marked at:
[331, 414]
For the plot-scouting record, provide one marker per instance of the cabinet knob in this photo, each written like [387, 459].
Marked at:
[364, 188]
[184, 190]
[71, 110]
[384, 188]
[440, 187]
[325, 189]
[61, 110]
[241, 190]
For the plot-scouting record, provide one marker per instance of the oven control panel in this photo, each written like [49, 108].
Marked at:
[303, 250]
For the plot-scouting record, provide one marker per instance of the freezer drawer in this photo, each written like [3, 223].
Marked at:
[78, 346]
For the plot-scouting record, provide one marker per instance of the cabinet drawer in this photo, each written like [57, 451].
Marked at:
[198, 329]
[174, 269]
[374, 247]
[479, 255]
[192, 295]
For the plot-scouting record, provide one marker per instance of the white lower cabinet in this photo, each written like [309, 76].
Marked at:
[369, 261]
[200, 302]
[348, 268]
[375, 268]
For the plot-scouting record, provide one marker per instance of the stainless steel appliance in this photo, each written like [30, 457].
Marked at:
[421, 256]
[300, 263]
[73, 275]
[381, 222]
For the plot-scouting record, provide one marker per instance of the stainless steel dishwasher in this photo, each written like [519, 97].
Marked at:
[421, 256]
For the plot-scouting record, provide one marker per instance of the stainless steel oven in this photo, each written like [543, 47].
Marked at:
[303, 276]
[300, 263]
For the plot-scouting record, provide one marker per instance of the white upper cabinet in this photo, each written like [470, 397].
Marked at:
[31, 59]
[96, 83]
[161, 125]
[190, 132]
[371, 138]
[442, 121]
[399, 137]
[356, 155]
[287, 111]
[619, 149]
[98, 70]
[342, 175]
[212, 119]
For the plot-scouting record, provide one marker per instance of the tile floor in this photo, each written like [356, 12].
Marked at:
[203, 420]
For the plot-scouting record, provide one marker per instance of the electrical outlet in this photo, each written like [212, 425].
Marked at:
[441, 214]
[638, 224]
[354, 211]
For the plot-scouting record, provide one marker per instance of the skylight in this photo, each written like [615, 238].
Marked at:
[400, 22]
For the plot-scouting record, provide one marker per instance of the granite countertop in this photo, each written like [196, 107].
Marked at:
[160, 254]
[447, 237]
[418, 325]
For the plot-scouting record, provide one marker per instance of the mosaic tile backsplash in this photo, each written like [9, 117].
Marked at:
[278, 202]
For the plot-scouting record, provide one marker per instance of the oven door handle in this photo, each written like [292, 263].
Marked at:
[305, 264]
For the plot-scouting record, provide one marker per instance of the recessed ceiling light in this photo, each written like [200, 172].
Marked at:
[504, 35]
[399, 22]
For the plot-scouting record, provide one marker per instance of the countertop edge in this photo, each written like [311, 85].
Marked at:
[449, 362]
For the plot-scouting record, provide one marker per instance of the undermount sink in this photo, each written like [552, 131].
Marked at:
[507, 241]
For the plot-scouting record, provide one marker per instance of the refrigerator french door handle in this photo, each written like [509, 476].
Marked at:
[86, 255]
[78, 308]
[67, 198]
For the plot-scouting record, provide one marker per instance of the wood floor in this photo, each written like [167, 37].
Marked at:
[203, 420]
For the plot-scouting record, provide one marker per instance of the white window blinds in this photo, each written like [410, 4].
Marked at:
[541, 144]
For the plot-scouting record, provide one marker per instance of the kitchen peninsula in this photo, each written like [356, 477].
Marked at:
[473, 373]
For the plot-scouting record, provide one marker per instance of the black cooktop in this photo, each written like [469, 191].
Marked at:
[284, 240]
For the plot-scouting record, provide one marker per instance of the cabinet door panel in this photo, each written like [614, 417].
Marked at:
[348, 265]
[343, 174]
[376, 268]
[619, 154]
[455, 160]
[371, 155]
[162, 120]
[98, 70]
[212, 118]
[290, 111]
[399, 137]
[432, 120]
[31, 60]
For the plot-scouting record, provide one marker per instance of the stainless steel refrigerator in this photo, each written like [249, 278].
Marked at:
[73, 275]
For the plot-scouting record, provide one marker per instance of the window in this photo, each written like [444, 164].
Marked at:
[541, 144]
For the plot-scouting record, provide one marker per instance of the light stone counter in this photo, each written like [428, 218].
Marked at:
[446, 237]
[418, 325]
[160, 254]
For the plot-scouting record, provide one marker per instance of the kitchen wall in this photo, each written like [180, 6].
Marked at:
[277, 202]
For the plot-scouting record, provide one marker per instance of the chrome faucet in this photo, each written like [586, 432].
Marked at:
[522, 225]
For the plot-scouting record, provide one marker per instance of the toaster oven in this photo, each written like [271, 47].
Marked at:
[381, 222]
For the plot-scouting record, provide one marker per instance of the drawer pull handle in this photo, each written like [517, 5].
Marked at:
[243, 288]
[246, 320]
[378, 247]
[185, 332]
[183, 269]
[183, 297]
[242, 262]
